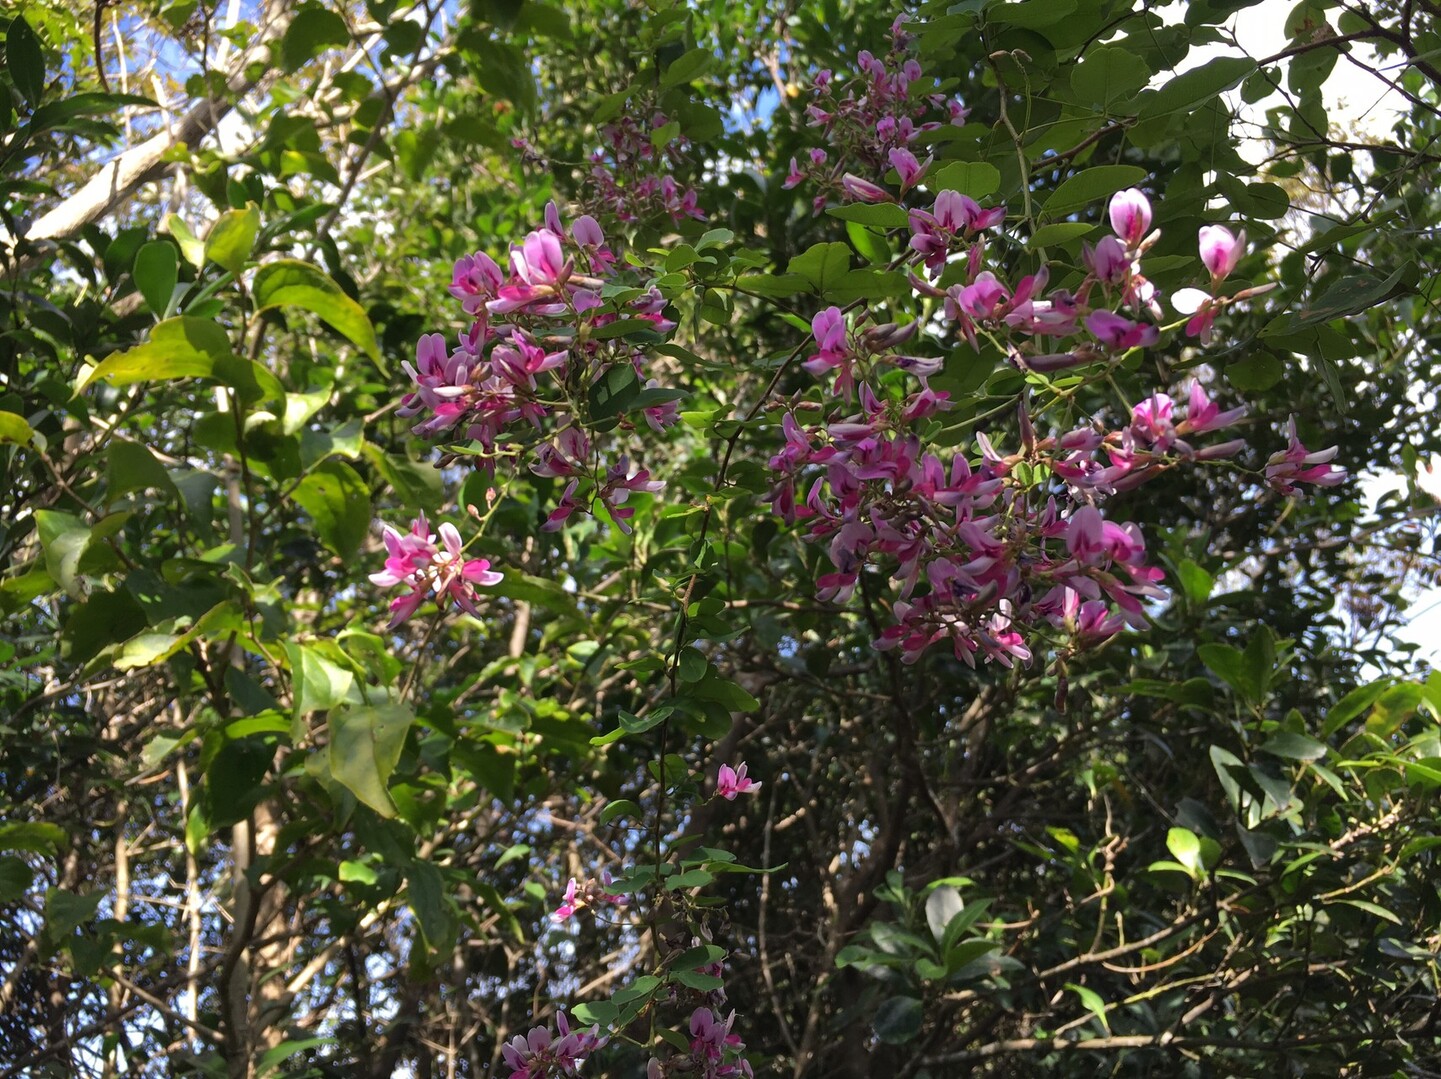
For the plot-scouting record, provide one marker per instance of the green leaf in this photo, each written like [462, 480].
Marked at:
[1293, 746]
[191, 246]
[365, 745]
[621, 807]
[1192, 89]
[773, 286]
[898, 1020]
[425, 890]
[695, 979]
[691, 878]
[338, 501]
[868, 243]
[702, 955]
[1196, 581]
[271, 1059]
[157, 269]
[1060, 232]
[974, 178]
[824, 265]
[292, 283]
[886, 215]
[232, 238]
[25, 59]
[1092, 1001]
[129, 466]
[318, 682]
[1185, 847]
[612, 394]
[1393, 708]
[37, 837]
[63, 538]
[1248, 673]
[15, 878]
[1256, 373]
[313, 30]
[65, 911]
[687, 67]
[1349, 296]
[184, 347]
[1085, 187]
[1108, 76]
[1352, 705]
[14, 430]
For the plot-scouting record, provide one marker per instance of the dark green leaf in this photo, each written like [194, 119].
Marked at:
[898, 1020]
[1086, 187]
[25, 59]
[338, 501]
[365, 745]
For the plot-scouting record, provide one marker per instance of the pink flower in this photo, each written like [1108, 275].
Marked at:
[1130, 215]
[1203, 414]
[908, 168]
[1296, 464]
[1220, 251]
[475, 280]
[416, 561]
[864, 190]
[1201, 306]
[1108, 260]
[1116, 332]
[540, 1054]
[538, 259]
[1151, 422]
[570, 903]
[732, 781]
[794, 177]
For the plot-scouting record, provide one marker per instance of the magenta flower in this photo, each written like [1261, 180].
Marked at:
[569, 904]
[733, 781]
[1220, 251]
[475, 280]
[1130, 212]
[1108, 260]
[864, 190]
[540, 1055]
[1201, 306]
[794, 177]
[1203, 414]
[415, 560]
[956, 212]
[579, 896]
[1117, 332]
[908, 168]
[1296, 464]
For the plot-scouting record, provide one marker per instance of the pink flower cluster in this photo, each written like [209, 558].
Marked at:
[541, 1055]
[414, 559]
[1112, 308]
[578, 896]
[522, 371]
[715, 1051]
[872, 121]
[982, 552]
[632, 178]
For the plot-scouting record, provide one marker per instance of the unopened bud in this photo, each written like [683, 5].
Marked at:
[1221, 449]
[888, 335]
